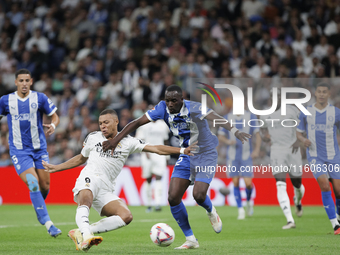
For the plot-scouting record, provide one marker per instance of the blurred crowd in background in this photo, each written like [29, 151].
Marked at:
[88, 55]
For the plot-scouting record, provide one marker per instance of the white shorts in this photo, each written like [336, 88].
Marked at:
[102, 193]
[285, 161]
[156, 164]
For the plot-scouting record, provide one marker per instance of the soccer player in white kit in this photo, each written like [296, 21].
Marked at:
[153, 164]
[285, 153]
[96, 182]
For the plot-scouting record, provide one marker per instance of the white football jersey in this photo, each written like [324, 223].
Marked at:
[104, 164]
[153, 132]
[282, 137]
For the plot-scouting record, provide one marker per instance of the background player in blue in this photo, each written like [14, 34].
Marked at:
[239, 155]
[322, 148]
[24, 110]
[184, 118]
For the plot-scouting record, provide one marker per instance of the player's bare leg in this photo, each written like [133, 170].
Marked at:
[283, 199]
[44, 182]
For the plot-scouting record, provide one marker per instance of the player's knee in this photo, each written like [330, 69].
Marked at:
[173, 200]
[32, 183]
[127, 218]
[44, 186]
[199, 197]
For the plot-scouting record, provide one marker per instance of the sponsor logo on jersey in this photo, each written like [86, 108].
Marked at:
[87, 180]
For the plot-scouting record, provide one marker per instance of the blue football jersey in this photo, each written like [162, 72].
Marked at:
[240, 151]
[24, 118]
[321, 129]
[188, 125]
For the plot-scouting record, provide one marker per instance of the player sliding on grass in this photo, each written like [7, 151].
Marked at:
[185, 120]
[96, 182]
[322, 149]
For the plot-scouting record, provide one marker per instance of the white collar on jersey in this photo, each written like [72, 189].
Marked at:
[183, 112]
[23, 99]
[321, 111]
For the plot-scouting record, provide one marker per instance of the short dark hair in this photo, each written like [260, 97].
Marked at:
[22, 71]
[323, 84]
[108, 111]
[174, 88]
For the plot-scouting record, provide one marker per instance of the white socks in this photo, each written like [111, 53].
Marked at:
[148, 194]
[104, 225]
[107, 224]
[191, 238]
[48, 224]
[283, 199]
[82, 220]
[158, 192]
[298, 193]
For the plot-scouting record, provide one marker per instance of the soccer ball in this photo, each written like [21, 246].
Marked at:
[162, 234]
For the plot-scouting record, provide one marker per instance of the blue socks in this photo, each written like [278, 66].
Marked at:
[338, 206]
[39, 207]
[237, 196]
[180, 214]
[249, 191]
[207, 205]
[328, 204]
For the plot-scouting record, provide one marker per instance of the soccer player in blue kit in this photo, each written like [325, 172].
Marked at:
[322, 148]
[185, 120]
[24, 110]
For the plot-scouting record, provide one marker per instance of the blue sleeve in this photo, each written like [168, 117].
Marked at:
[302, 124]
[158, 112]
[337, 117]
[253, 129]
[3, 111]
[46, 104]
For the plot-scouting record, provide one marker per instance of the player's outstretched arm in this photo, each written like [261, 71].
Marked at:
[71, 163]
[168, 150]
[306, 142]
[129, 128]
[242, 136]
[54, 123]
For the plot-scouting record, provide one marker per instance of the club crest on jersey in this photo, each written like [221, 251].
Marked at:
[34, 105]
[119, 146]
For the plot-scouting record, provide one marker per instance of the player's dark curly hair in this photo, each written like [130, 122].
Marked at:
[174, 88]
[323, 84]
[22, 71]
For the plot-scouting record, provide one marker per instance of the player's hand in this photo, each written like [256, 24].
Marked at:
[242, 136]
[110, 144]
[50, 129]
[193, 147]
[307, 142]
[295, 146]
[49, 167]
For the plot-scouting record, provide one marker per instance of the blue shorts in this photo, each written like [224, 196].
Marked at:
[240, 168]
[201, 167]
[25, 159]
[329, 167]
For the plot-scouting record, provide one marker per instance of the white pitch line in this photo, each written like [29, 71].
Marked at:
[72, 223]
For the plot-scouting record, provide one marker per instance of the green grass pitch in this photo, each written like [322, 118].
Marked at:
[20, 232]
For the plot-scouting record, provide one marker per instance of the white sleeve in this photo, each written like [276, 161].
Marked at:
[140, 133]
[86, 146]
[136, 145]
